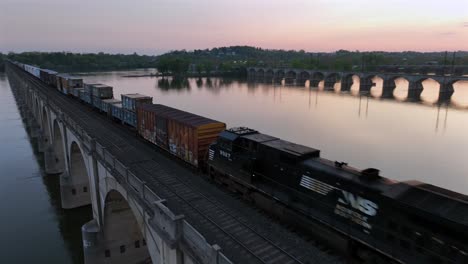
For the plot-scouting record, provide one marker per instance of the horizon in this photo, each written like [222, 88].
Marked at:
[158, 27]
[265, 49]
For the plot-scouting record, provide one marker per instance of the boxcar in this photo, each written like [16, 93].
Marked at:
[106, 105]
[47, 76]
[60, 81]
[35, 71]
[183, 134]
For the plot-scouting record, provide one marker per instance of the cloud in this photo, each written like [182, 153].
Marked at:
[465, 24]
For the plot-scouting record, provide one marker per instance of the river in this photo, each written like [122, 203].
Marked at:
[422, 141]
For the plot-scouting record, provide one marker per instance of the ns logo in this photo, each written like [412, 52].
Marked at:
[357, 202]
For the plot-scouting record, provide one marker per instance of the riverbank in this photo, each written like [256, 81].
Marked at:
[191, 75]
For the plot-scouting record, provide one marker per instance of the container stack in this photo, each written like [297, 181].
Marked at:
[130, 103]
[117, 111]
[106, 105]
[77, 91]
[100, 92]
[183, 134]
[66, 83]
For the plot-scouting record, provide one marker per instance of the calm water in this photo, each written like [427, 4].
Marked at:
[419, 141]
[33, 227]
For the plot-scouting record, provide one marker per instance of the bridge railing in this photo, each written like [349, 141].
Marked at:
[190, 239]
[193, 240]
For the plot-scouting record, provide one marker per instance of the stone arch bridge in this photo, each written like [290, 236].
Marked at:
[330, 78]
[131, 223]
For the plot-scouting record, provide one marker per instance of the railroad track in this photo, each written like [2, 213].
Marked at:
[243, 239]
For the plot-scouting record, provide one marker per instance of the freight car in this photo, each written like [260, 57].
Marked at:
[130, 103]
[182, 134]
[35, 71]
[359, 212]
[48, 76]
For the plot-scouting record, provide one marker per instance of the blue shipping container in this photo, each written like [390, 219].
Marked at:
[117, 111]
[130, 118]
[97, 102]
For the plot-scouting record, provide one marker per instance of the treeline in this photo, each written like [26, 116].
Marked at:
[232, 60]
[74, 62]
[237, 57]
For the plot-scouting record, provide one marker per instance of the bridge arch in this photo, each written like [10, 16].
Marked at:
[317, 77]
[269, 74]
[77, 182]
[429, 88]
[260, 73]
[123, 231]
[331, 79]
[58, 146]
[304, 77]
[460, 95]
[279, 74]
[349, 81]
[290, 77]
[252, 72]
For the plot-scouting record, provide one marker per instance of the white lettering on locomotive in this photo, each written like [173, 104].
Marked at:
[357, 202]
[225, 154]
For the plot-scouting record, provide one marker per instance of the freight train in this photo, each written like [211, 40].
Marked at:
[371, 219]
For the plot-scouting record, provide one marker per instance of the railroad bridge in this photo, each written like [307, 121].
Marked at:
[330, 78]
[146, 207]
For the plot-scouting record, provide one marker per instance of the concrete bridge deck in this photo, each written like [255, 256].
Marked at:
[244, 234]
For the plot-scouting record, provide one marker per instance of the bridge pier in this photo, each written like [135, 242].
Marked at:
[51, 162]
[73, 194]
[445, 92]
[415, 89]
[315, 82]
[41, 141]
[346, 83]
[388, 88]
[97, 249]
[365, 85]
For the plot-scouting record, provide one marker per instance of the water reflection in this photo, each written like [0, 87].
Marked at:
[177, 83]
[34, 227]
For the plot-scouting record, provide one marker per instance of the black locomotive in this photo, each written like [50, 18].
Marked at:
[359, 212]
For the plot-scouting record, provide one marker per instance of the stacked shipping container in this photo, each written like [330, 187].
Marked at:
[117, 111]
[130, 103]
[106, 105]
[183, 134]
[100, 92]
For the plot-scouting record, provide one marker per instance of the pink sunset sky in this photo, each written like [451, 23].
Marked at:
[157, 26]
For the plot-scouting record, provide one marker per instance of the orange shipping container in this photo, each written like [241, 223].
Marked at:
[183, 134]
